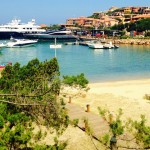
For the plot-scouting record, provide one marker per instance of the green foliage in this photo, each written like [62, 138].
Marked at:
[147, 34]
[120, 21]
[139, 130]
[78, 80]
[95, 16]
[87, 128]
[74, 122]
[142, 132]
[16, 78]
[58, 146]
[38, 135]
[106, 139]
[1, 121]
[141, 25]
[122, 33]
[116, 126]
[118, 27]
[147, 96]
[102, 112]
[30, 93]
[16, 130]
[131, 27]
[54, 27]
[124, 37]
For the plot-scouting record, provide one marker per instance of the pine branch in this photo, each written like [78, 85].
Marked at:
[27, 104]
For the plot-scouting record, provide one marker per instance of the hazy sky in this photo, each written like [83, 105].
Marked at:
[57, 11]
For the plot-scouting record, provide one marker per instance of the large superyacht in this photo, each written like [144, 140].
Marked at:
[17, 29]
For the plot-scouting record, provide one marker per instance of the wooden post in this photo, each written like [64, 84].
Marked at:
[113, 143]
[110, 118]
[86, 124]
[69, 99]
[87, 108]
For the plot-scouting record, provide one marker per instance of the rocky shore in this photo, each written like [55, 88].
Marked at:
[131, 41]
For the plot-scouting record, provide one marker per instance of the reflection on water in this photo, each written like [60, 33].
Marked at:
[98, 51]
[0, 52]
[128, 61]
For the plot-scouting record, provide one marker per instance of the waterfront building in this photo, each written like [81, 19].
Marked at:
[110, 18]
[108, 21]
[83, 21]
[146, 11]
[138, 17]
[105, 21]
[127, 10]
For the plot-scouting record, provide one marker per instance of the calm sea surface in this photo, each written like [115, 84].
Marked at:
[126, 62]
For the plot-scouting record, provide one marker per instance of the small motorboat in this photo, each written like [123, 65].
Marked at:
[96, 45]
[2, 45]
[108, 45]
[116, 46]
[21, 42]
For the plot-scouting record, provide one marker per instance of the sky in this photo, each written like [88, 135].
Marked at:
[58, 11]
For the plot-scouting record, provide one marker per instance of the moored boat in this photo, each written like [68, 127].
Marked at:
[116, 46]
[95, 45]
[17, 29]
[52, 34]
[20, 42]
[2, 45]
[108, 45]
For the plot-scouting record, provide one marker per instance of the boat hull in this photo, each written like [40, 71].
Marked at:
[95, 46]
[21, 43]
[8, 35]
[49, 37]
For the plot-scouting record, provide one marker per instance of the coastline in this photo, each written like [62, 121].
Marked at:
[130, 41]
[127, 95]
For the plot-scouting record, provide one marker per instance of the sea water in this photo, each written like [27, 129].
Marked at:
[98, 65]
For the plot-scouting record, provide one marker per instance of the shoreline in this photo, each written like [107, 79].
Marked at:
[118, 77]
[118, 80]
[127, 95]
[130, 41]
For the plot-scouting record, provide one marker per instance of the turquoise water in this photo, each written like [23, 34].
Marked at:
[126, 62]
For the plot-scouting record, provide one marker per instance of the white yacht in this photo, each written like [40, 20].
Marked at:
[95, 45]
[20, 43]
[2, 45]
[110, 46]
[52, 34]
[17, 29]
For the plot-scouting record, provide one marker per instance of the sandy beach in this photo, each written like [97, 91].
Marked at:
[127, 95]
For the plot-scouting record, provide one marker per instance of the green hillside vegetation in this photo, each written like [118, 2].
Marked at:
[140, 26]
